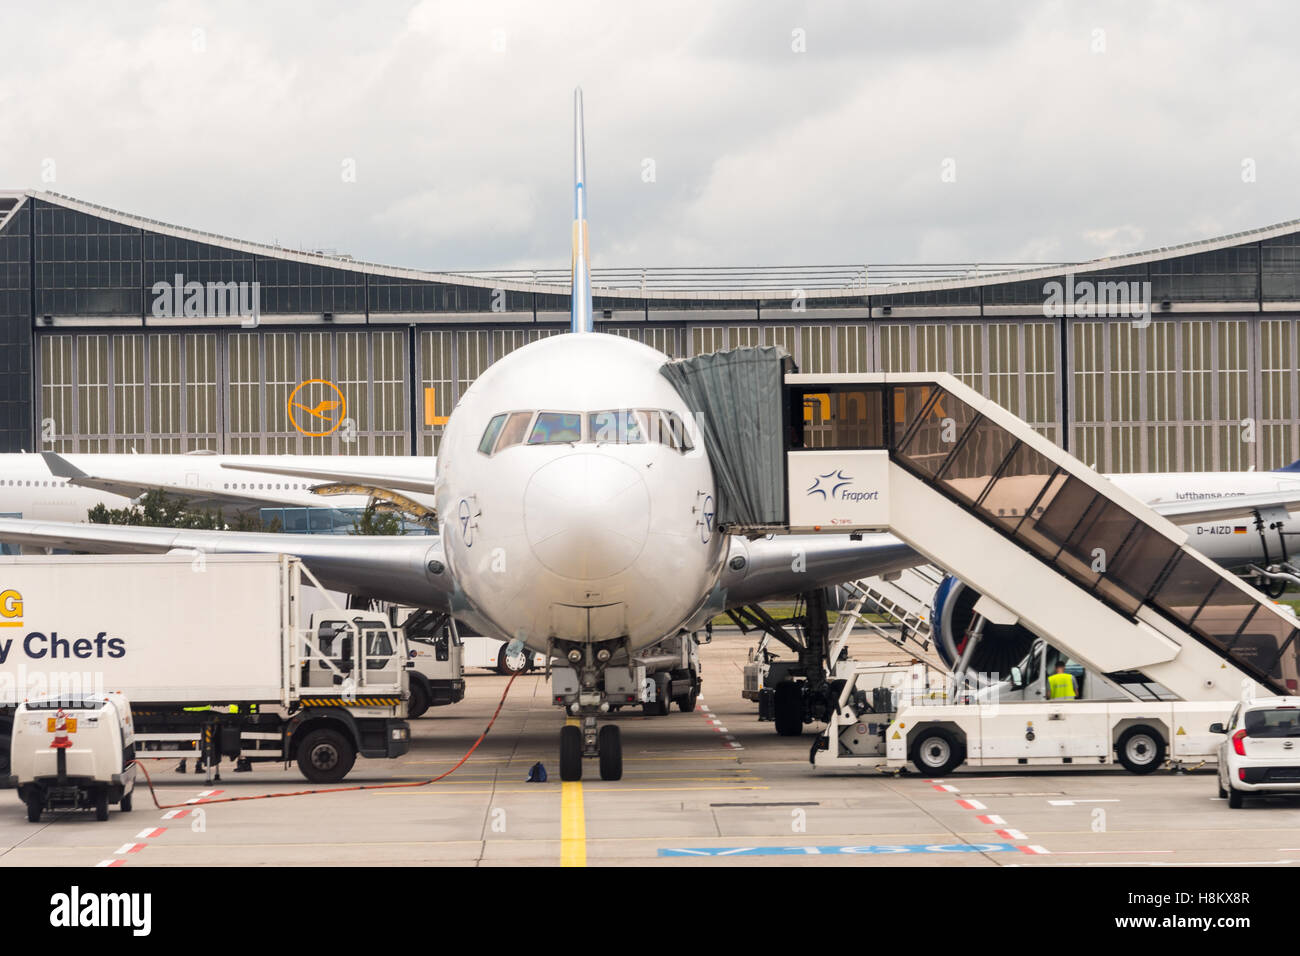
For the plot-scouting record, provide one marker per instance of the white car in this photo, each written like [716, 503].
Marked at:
[1260, 752]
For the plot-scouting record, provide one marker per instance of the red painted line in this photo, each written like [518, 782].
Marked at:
[945, 788]
[1011, 834]
[1033, 849]
[151, 833]
[130, 848]
[106, 863]
[175, 814]
[992, 819]
[971, 805]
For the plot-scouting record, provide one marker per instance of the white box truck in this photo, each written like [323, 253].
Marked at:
[212, 654]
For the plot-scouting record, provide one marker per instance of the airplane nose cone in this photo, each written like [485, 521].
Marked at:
[586, 516]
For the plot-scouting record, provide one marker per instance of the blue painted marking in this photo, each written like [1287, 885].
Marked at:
[467, 532]
[706, 529]
[839, 850]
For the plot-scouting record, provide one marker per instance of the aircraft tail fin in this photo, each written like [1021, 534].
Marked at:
[580, 311]
[1293, 467]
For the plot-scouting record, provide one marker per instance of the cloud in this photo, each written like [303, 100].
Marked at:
[1073, 130]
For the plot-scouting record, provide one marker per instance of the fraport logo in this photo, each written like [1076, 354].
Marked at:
[837, 486]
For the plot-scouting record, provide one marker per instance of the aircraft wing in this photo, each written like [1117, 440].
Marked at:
[784, 565]
[1227, 509]
[195, 498]
[356, 474]
[406, 569]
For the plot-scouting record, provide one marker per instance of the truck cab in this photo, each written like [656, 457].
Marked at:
[1027, 680]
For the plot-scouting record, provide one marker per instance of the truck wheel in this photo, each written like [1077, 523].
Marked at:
[325, 756]
[34, 807]
[126, 804]
[101, 804]
[1235, 798]
[419, 701]
[611, 753]
[1141, 749]
[938, 752]
[570, 753]
[686, 703]
[787, 707]
[503, 661]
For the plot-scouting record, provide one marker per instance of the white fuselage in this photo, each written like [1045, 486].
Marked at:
[582, 540]
[28, 490]
[1232, 543]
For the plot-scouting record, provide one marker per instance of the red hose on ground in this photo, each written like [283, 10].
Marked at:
[364, 786]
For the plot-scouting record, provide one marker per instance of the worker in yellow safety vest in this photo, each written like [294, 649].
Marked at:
[1061, 686]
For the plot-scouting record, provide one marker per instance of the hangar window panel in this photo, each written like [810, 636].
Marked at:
[165, 392]
[1198, 447]
[743, 336]
[93, 395]
[931, 350]
[202, 395]
[280, 377]
[1125, 372]
[707, 338]
[1089, 374]
[1162, 448]
[389, 395]
[781, 336]
[437, 373]
[352, 375]
[473, 355]
[245, 393]
[1039, 375]
[814, 349]
[1088, 444]
[968, 355]
[129, 387]
[58, 393]
[1005, 372]
[853, 348]
[1126, 448]
[895, 348]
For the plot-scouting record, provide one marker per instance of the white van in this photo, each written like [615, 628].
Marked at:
[74, 752]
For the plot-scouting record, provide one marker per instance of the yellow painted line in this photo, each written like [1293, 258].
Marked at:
[573, 825]
[573, 818]
[638, 789]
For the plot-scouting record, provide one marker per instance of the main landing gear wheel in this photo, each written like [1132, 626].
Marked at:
[571, 753]
[787, 708]
[611, 753]
[937, 752]
[1141, 749]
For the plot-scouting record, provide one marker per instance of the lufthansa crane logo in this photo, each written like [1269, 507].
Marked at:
[11, 608]
[829, 484]
[316, 407]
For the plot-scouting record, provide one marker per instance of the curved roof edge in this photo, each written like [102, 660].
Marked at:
[999, 277]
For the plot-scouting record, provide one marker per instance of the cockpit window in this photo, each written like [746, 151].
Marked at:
[623, 426]
[554, 428]
[490, 434]
[515, 429]
[671, 431]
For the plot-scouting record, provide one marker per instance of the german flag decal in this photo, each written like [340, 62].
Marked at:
[1239, 529]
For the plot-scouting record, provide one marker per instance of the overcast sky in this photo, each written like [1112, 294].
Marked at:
[777, 133]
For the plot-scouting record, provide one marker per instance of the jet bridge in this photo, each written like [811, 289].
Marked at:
[978, 492]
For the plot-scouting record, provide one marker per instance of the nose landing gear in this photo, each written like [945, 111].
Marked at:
[580, 742]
